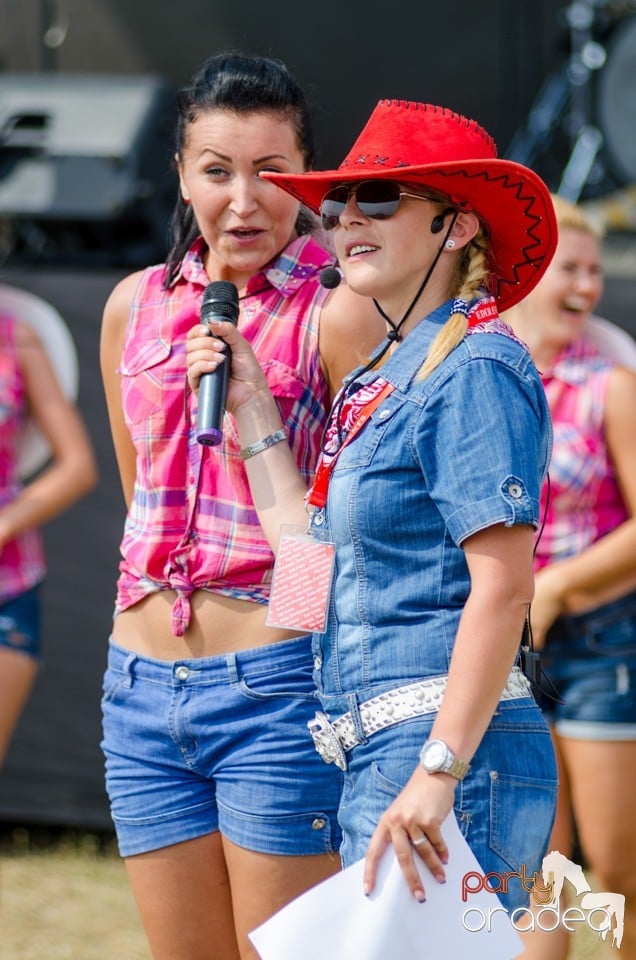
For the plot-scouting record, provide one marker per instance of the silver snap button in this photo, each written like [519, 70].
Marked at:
[317, 663]
[182, 673]
[515, 491]
[319, 823]
[383, 414]
[319, 519]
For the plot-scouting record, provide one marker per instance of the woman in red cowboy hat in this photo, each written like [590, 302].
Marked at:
[427, 497]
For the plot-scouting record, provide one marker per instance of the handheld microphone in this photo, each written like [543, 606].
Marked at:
[330, 277]
[220, 302]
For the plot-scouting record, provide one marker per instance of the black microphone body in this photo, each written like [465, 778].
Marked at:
[220, 302]
[329, 277]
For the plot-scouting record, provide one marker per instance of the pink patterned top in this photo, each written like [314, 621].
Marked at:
[192, 523]
[585, 500]
[21, 560]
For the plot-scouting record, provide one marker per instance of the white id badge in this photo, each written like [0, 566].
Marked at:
[301, 584]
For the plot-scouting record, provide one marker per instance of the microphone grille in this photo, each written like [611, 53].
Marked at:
[329, 277]
[221, 290]
[220, 298]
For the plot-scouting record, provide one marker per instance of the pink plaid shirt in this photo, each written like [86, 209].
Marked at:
[22, 559]
[192, 523]
[585, 499]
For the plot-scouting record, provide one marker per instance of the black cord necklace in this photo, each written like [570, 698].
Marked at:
[393, 336]
[256, 293]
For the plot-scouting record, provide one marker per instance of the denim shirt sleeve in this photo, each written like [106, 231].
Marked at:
[484, 441]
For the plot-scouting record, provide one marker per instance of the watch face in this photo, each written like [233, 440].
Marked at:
[434, 755]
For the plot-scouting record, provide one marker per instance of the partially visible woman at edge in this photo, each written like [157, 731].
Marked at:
[584, 608]
[222, 808]
[428, 488]
[29, 388]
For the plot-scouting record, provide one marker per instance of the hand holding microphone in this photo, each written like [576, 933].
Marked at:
[220, 302]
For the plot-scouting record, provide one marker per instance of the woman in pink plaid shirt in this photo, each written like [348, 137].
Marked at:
[223, 809]
[30, 390]
[584, 608]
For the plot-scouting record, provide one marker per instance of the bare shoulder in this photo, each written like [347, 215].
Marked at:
[117, 307]
[620, 404]
[32, 356]
[26, 337]
[35, 363]
[115, 323]
[620, 432]
[621, 392]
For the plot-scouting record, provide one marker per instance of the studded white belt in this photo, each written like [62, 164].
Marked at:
[333, 738]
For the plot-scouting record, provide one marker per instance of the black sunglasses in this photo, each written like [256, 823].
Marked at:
[376, 199]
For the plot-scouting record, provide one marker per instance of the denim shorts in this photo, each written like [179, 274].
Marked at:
[218, 743]
[20, 627]
[590, 658]
[504, 807]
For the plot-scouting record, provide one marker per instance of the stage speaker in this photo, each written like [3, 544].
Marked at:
[85, 165]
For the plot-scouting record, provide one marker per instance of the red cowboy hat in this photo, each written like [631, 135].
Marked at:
[418, 143]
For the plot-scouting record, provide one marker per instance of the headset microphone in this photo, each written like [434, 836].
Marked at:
[329, 278]
[437, 223]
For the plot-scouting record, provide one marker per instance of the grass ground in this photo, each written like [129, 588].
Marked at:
[69, 899]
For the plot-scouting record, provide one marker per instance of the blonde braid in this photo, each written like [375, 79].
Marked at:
[471, 275]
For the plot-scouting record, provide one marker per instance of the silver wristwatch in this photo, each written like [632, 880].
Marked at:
[437, 757]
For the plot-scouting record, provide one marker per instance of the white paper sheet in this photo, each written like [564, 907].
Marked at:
[335, 921]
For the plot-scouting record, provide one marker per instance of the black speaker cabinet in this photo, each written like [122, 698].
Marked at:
[86, 165]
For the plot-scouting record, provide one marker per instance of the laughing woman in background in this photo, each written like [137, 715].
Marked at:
[584, 609]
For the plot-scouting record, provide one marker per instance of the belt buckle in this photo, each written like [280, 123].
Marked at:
[326, 740]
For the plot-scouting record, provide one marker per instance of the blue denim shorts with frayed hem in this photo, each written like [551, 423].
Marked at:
[218, 743]
[20, 627]
[591, 660]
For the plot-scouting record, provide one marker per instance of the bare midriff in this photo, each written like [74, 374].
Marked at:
[218, 625]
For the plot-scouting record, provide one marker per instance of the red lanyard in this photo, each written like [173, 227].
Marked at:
[317, 495]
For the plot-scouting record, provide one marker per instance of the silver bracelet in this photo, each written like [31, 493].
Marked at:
[271, 440]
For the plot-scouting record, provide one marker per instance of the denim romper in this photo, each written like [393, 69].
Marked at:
[439, 460]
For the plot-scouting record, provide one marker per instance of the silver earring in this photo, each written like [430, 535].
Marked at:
[449, 244]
